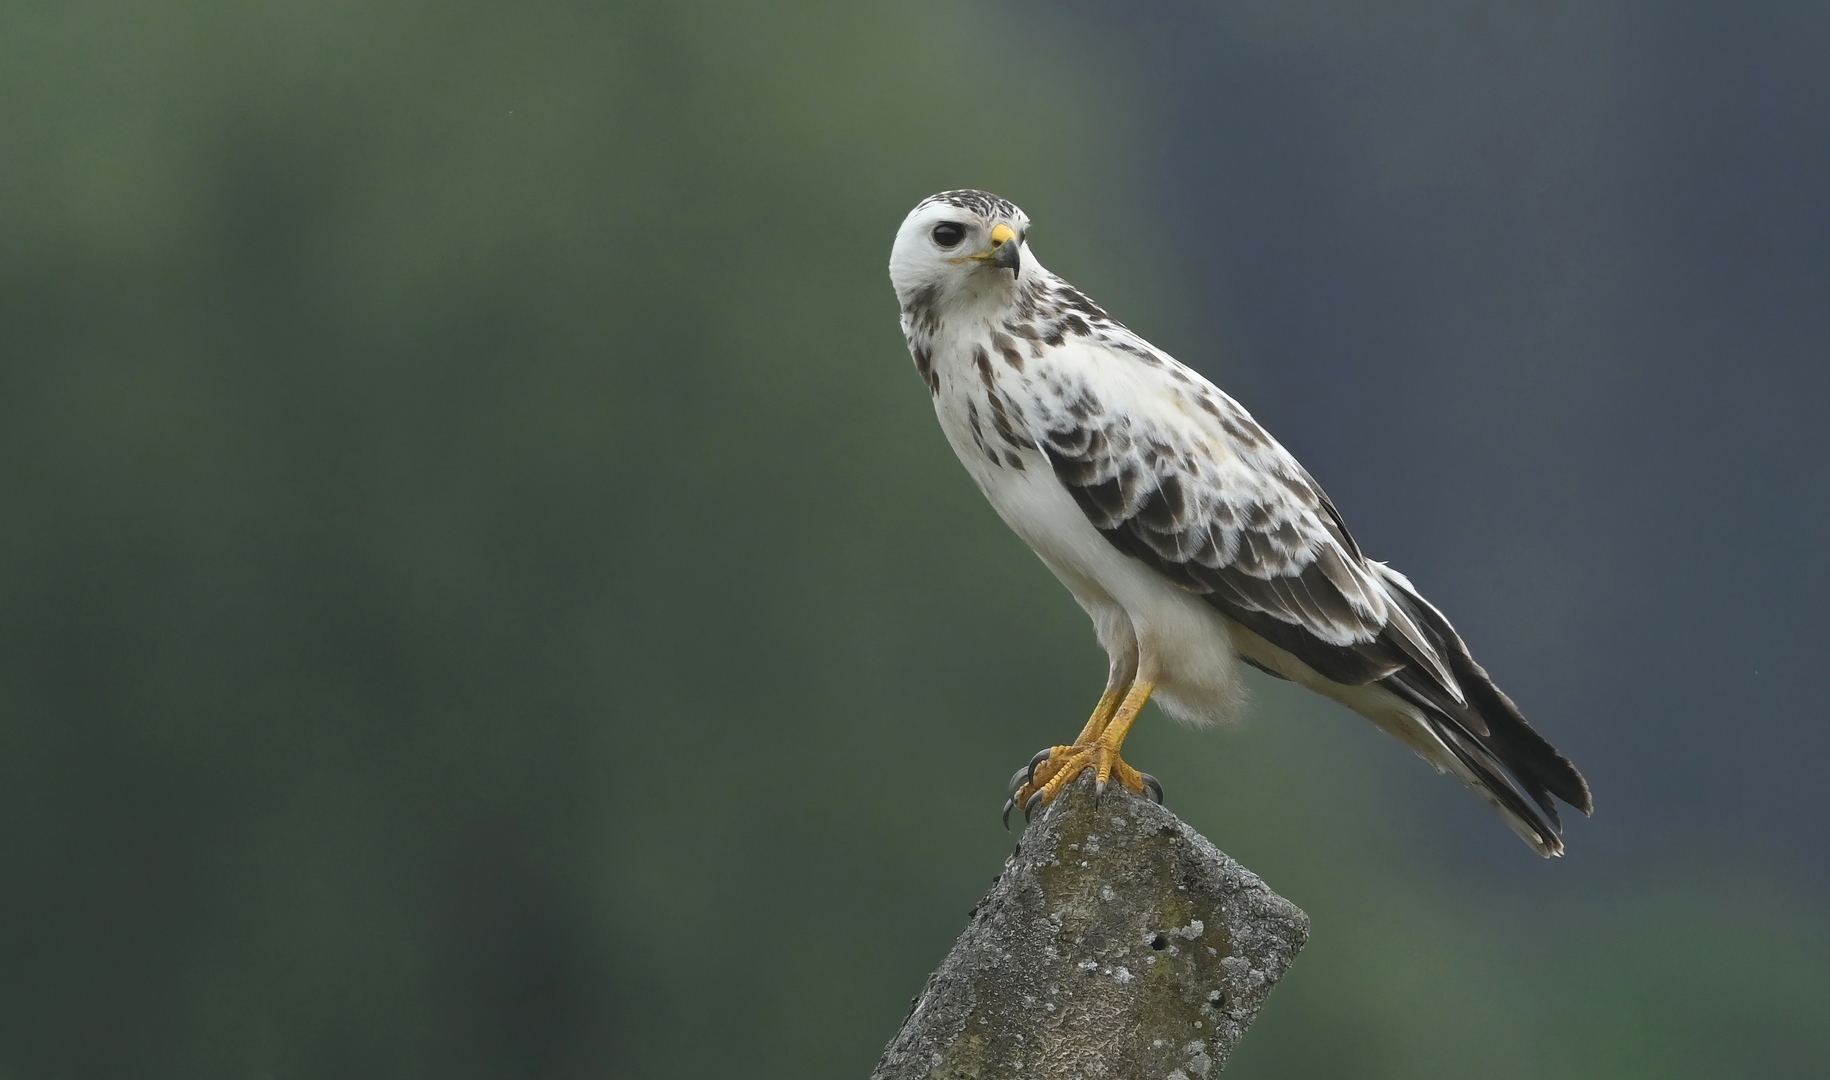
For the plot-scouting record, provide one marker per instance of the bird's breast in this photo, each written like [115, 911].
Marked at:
[985, 411]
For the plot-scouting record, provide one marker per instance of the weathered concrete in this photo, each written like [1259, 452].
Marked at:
[1117, 943]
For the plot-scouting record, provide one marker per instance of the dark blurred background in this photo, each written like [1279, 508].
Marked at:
[482, 592]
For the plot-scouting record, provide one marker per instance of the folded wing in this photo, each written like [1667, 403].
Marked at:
[1197, 490]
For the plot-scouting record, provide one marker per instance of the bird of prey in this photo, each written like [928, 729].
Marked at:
[1194, 541]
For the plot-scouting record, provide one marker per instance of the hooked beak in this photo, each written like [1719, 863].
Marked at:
[1006, 251]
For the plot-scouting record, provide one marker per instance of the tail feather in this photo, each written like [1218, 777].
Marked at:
[1496, 751]
[1527, 812]
[1515, 741]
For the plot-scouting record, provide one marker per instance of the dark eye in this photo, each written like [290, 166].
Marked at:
[949, 233]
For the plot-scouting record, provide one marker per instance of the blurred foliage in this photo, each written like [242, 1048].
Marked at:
[483, 593]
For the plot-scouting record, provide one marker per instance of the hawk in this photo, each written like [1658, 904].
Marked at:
[1195, 542]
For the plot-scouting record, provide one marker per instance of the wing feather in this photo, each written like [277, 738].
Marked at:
[1177, 475]
[1224, 511]
[1206, 497]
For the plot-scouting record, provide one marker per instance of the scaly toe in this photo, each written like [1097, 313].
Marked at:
[1127, 776]
[1034, 777]
[1042, 780]
[1108, 763]
[1019, 780]
[1064, 768]
[1044, 767]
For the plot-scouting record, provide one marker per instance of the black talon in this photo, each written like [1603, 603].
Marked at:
[1009, 805]
[1017, 780]
[1029, 807]
[1155, 789]
[1041, 756]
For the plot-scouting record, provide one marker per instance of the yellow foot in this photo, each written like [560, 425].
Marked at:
[1038, 783]
[1096, 748]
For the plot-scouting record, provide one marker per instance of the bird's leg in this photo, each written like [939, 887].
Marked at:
[1118, 680]
[1113, 736]
[1029, 778]
[1037, 772]
[1097, 747]
[1102, 715]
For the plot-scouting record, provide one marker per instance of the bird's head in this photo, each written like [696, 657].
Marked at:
[961, 248]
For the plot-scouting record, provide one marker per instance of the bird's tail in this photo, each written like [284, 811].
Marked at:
[1489, 743]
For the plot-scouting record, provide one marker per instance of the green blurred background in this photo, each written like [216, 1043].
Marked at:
[482, 592]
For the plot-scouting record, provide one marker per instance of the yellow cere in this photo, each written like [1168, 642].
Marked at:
[1000, 234]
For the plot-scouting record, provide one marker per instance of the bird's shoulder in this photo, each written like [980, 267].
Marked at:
[1081, 371]
[1177, 473]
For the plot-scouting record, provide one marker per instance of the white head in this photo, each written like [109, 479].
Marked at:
[961, 248]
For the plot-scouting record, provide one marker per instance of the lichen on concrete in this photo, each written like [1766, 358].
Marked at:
[1118, 942]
